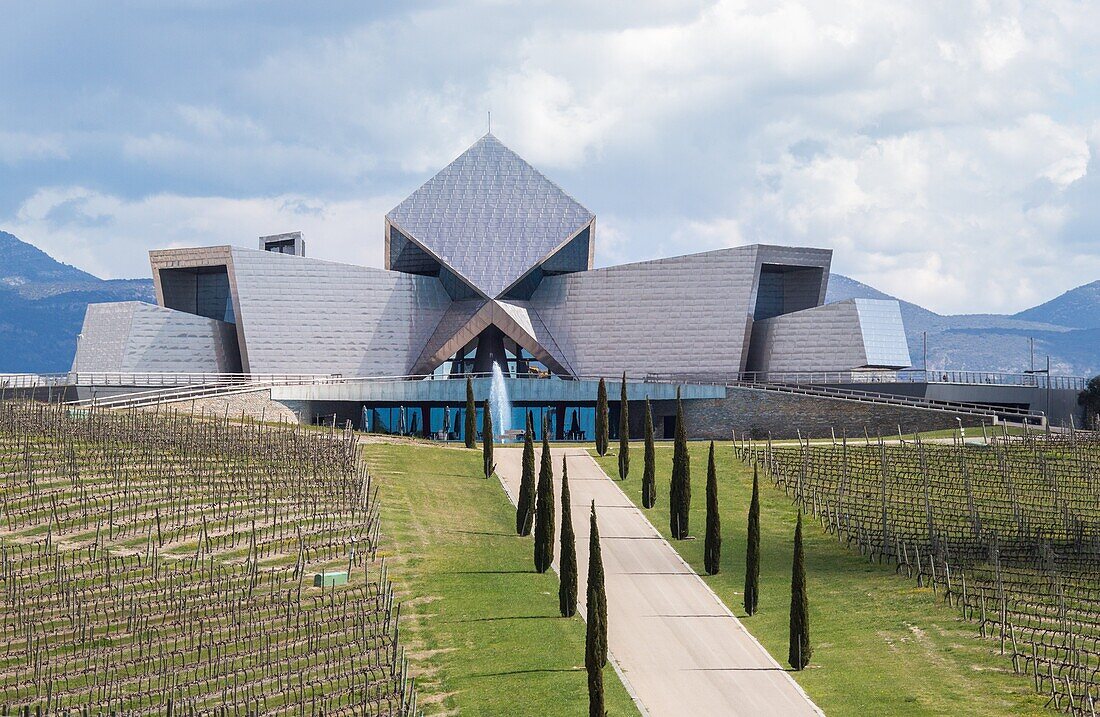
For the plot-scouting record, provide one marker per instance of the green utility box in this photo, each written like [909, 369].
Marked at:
[329, 579]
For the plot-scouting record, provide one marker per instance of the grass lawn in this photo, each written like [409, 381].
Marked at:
[481, 628]
[882, 645]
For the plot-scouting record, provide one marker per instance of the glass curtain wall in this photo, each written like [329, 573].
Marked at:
[520, 363]
[447, 423]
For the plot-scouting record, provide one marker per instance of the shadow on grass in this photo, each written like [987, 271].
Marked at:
[481, 532]
[488, 572]
[739, 669]
[510, 617]
[527, 672]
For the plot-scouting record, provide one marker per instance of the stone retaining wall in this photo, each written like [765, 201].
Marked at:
[255, 404]
[760, 413]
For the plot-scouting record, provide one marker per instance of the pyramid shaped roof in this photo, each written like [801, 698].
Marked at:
[489, 216]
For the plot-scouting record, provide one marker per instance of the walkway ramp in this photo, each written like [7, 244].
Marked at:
[678, 648]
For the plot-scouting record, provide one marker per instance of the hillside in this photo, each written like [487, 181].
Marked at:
[1067, 328]
[42, 303]
[1076, 308]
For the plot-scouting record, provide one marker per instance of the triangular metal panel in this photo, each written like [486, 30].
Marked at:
[531, 334]
[489, 216]
[573, 255]
[465, 320]
[460, 325]
[399, 241]
[404, 255]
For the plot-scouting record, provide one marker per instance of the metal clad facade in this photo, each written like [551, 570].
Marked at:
[490, 216]
[679, 315]
[302, 315]
[490, 242]
[834, 337]
[139, 337]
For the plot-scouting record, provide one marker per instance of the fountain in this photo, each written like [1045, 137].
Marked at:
[499, 404]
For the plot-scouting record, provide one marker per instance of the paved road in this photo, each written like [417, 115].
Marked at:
[677, 645]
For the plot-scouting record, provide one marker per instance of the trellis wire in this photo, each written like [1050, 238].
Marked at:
[159, 563]
[1008, 532]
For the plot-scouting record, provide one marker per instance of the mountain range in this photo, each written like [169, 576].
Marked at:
[42, 304]
[1066, 328]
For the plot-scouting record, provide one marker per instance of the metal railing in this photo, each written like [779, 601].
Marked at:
[124, 378]
[153, 397]
[167, 387]
[985, 378]
[154, 379]
[822, 389]
[139, 399]
[32, 380]
[963, 407]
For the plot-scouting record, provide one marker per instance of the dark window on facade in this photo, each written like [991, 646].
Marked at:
[203, 291]
[784, 289]
[281, 247]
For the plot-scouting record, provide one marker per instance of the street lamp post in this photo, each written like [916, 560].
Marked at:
[924, 361]
[1046, 371]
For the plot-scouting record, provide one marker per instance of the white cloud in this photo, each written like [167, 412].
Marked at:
[212, 123]
[948, 218]
[18, 147]
[109, 236]
[942, 150]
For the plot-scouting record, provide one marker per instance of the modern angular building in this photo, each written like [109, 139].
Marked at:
[490, 262]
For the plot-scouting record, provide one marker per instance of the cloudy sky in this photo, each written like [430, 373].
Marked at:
[947, 151]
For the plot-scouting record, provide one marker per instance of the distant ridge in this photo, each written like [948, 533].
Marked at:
[42, 303]
[1079, 308]
[27, 265]
[1067, 328]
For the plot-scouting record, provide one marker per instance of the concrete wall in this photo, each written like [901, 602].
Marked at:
[453, 391]
[256, 405]
[1063, 402]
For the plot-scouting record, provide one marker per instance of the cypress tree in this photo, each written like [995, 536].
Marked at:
[525, 501]
[471, 415]
[752, 550]
[594, 670]
[567, 587]
[487, 439]
[624, 432]
[544, 510]
[649, 468]
[674, 490]
[601, 419]
[596, 597]
[798, 655]
[679, 499]
[712, 548]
